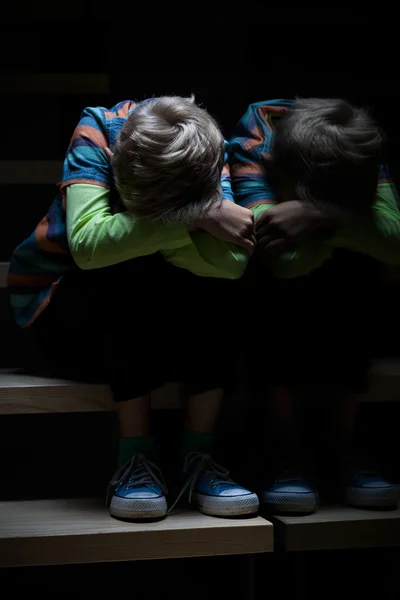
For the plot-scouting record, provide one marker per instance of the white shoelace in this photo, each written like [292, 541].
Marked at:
[138, 471]
[198, 464]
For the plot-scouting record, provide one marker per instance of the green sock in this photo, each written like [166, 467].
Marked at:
[127, 447]
[193, 441]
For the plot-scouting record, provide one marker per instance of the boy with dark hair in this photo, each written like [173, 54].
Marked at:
[325, 214]
[98, 289]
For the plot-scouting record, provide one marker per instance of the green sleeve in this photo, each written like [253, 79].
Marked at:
[261, 208]
[97, 238]
[208, 256]
[377, 235]
[308, 256]
[305, 258]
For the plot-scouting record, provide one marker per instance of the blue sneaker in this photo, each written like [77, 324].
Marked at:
[137, 490]
[289, 493]
[212, 491]
[363, 487]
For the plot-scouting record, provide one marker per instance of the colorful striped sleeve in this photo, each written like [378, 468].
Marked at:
[226, 182]
[86, 160]
[248, 148]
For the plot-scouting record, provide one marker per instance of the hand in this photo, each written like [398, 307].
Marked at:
[230, 223]
[279, 228]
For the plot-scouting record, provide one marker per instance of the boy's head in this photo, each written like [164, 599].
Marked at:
[327, 151]
[168, 160]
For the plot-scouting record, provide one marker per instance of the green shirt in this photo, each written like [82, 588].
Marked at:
[98, 238]
[376, 235]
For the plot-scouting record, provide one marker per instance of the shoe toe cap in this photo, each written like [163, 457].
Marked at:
[235, 491]
[375, 484]
[139, 493]
[292, 489]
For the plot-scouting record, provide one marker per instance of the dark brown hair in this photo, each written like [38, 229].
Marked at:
[329, 152]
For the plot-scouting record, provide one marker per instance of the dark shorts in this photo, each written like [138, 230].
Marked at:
[315, 329]
[136, 326]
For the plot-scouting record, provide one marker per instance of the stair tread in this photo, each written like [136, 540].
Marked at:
[70, 531]
[11, 378]
[338, 527]
[22, 393]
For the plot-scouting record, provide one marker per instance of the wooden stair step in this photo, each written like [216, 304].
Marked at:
[338, 528]
[23, 394]
[71, 531]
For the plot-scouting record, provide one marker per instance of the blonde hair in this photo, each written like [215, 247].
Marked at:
[168, 160]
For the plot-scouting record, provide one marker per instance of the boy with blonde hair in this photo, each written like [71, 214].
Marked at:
[97, 285]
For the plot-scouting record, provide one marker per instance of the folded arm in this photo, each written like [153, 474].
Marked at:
[302, 258]
[97, 238]
[207, 256]
[377, 234]
[249, 148]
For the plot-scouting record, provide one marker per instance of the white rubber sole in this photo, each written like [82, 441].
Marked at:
[227, 506]
[387, 497]
[138, 508]
[290, 503]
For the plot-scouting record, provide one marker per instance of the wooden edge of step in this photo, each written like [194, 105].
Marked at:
[22, 393]
[338, 528]
[72, 531]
